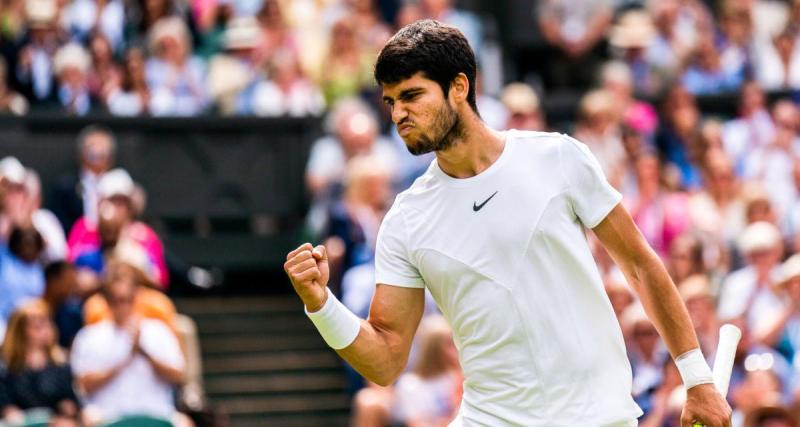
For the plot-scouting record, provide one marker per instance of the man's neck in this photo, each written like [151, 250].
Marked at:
[477, 148]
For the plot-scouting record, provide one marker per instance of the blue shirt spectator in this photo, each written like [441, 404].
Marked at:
[21, 277]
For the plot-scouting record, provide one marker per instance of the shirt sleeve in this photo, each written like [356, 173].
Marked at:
[590, 193]
[392, 261]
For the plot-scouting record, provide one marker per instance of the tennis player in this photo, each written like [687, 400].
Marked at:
[495, 230]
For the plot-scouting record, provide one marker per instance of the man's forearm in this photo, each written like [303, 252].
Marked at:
[663, 304]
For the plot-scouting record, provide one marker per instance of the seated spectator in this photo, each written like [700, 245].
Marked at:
[346, 70]
[130, 96]
[63, 297]
[430, 394]
[71, 64]
[598, 126]
[11, 102]
[104, 71]
[107, 18]
[141, 16]
[736, 41]
[176, 78]
[13, 204]
[45, 222]
[234, 74]
[33, 70]
[21, 275]
[780, 329]
[660, 405]
[90, 245]
[760, 243]
[617, 79]
[685, 258]
[645, 351]
[287, 92]
[37, 375]
[660, 214]
[129, 365]
[75, 194]
[677, 138]
[574, 30]
[771, 165]
[777, 62]
[524, 109]
[148, 303]
[697, 294]
[637, 44]
[752, 128]
[706, 74]
[354, 132]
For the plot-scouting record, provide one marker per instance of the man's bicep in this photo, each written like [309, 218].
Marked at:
[397, 309]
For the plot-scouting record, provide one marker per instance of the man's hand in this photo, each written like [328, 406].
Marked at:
[307, 268]
[705, 406]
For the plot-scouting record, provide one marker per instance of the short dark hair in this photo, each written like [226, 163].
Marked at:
[18, 237]
[438, 50]
[56, 269]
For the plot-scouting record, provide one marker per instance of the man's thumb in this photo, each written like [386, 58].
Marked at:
[320, 253]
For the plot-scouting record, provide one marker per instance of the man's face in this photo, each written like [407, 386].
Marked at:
[424, 117]
[120, 298]
[97, 155]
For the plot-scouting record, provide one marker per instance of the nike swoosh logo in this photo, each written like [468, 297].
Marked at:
[476, 207]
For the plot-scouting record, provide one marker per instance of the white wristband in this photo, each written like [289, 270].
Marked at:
[694, 369]
[336, 323]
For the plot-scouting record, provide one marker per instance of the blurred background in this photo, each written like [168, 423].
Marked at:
[160, 157]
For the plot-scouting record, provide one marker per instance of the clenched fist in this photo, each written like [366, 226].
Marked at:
[307, 268]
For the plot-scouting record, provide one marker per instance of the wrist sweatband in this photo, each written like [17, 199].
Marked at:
[694, 369]
[336, 323]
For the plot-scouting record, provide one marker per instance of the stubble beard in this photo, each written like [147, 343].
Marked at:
[445, 131]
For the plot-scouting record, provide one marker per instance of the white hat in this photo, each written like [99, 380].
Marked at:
[41, 13]
[242, 33]
[759, 236]
[790, 268]
[520, 98]
[12, 170]
[72, 55]
[115, 182]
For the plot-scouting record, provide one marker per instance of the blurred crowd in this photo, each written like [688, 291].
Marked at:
[268, 58]
[89, 335]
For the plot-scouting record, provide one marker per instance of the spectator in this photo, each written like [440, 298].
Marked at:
[33, 70]
[176, 78]
[781, 328]
[13, 206]
[574, 30]
[661, 402]
[717, 210]
[277, 35]
[706, 75]
[45, 222]
[141, 16]
[770, 416]
[346, 70]
[777, 62]
[130, 96]
[617, 79]
[128, 365]
[287, 92]
[234, 74]
[75, 195]
[71, 64]
[697, 294]
[37, 374]
[10, 101]
[63, 297]
[760, 243]
[523, 107]
[677, 138]
[685, 258]
[21, 276]
[598, 127]
[791, 223]
[771, 164]
[211, 18]
[735, 40]
[355, 132]
[88, 18]
[659, 213]
[469, 24]
[354, 220]
[91, 245]
[636, 44]
[751, 129]
[645, 351]
[429, 395]
[104, 72]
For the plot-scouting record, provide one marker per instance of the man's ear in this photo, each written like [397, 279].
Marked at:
[459, 88]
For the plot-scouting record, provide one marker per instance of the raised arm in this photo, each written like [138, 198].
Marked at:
[649, 278]
[377, 347]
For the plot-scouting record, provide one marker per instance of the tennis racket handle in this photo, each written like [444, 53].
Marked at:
[729, 337]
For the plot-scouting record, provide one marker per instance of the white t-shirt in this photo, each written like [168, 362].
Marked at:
[505, 256]
[136, 390]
